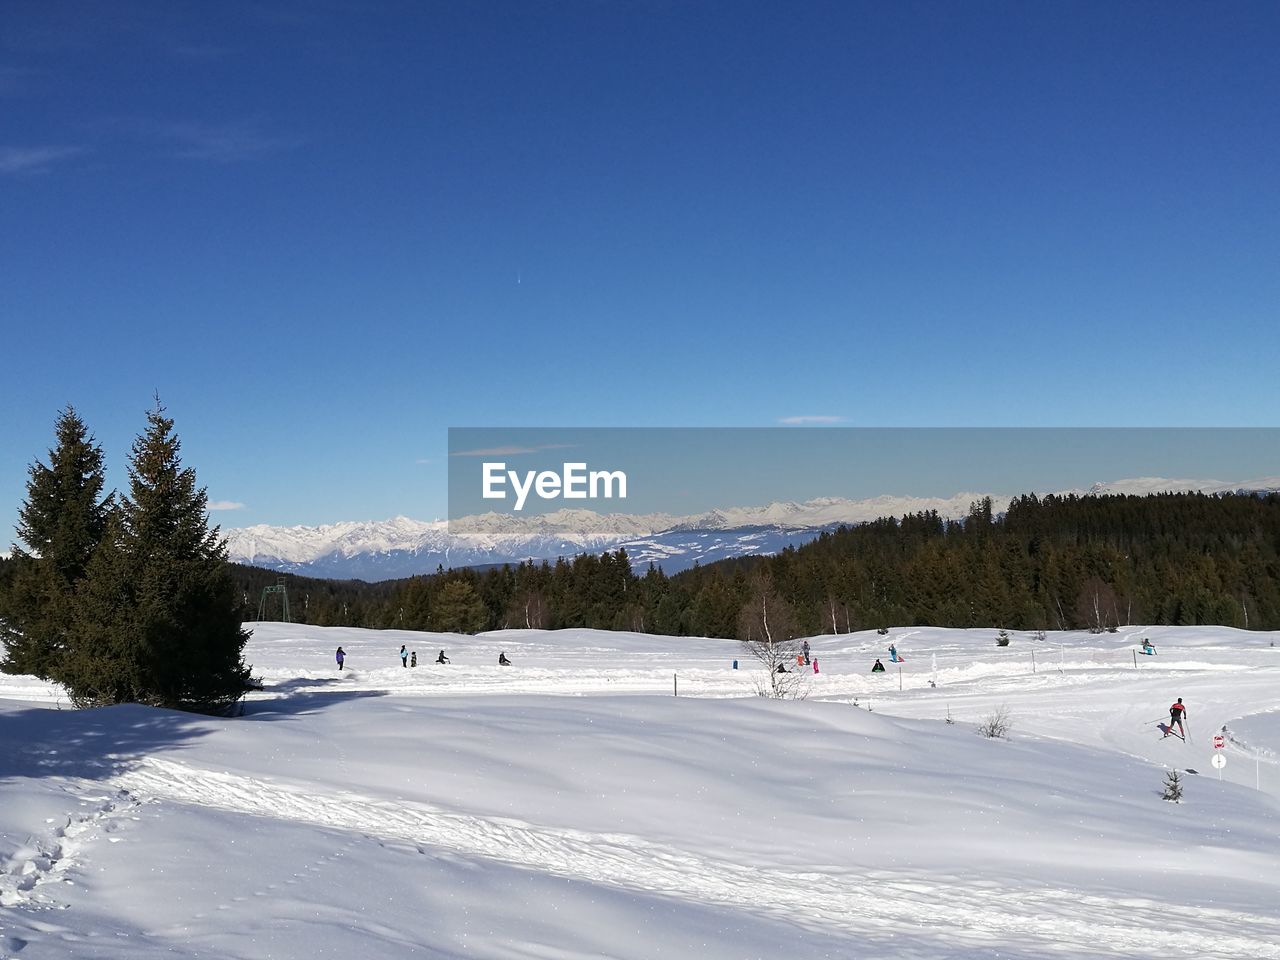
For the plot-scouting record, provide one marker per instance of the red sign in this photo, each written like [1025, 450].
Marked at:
[1219, 742]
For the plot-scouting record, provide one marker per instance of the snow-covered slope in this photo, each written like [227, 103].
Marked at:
[401, 547]
[569, 807]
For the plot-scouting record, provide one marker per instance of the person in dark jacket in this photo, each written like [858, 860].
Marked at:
[502, 659]
[341, 657]
[442, 658]
[1176, 712]
[413, 658]
[877, 667]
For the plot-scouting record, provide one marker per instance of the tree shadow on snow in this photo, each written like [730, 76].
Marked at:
[299, 697]
[94, 743]
[99, 742]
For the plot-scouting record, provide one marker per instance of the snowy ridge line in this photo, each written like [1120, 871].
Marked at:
[959, 908]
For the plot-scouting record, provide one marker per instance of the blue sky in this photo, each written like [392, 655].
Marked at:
[325, 232]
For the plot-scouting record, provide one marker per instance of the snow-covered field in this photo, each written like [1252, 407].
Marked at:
[570, 807]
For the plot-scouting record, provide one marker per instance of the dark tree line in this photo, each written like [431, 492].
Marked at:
[124, 597]
[1045, 563]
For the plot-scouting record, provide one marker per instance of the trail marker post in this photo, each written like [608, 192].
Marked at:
[1219, 761]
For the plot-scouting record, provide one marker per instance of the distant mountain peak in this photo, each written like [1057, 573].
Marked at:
[402, 546]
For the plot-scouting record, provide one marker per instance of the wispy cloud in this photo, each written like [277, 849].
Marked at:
[425, 460]
[814, 418]
[223, 142]
[225, 505]
[33, 159]
[511, 451]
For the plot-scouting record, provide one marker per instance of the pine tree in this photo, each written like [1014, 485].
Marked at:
[62, 521]
[459, 609]
[157, 619]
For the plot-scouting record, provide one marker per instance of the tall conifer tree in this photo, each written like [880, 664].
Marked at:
[158, 620]
[62, 521]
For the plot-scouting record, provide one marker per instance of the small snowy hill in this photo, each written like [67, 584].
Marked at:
[569, 806]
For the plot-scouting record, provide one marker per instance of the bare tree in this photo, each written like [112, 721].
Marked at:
[1096, 605]
[766, 626]
[997, 724]
[528, 610]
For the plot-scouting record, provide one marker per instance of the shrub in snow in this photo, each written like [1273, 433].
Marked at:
[1172, 787]
[997, 724]
[1039, 635]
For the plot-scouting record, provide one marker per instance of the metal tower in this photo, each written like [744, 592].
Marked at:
[284, 600]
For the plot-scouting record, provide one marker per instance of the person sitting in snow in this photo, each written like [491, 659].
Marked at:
[341, 657]
[442, 658]
[782, 668]
[877, 667]
[502, 659]
[413, 658]
[1147, 648]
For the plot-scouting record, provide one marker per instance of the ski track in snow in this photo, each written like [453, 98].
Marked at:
[965, 911]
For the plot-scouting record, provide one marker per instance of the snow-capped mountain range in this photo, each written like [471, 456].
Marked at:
[401, 547]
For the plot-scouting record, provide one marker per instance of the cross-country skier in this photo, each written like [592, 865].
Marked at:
[805, 651]
[404, 656]
[442, 658]
[1176, 712]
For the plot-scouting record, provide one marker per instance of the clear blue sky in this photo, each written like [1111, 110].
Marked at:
[327, 231]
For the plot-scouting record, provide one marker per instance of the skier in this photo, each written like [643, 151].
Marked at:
[341, 657]
[442, 658]
[413, 658]
[502, 659]
[805, 650]
[404, 656]
[877, 667]
[1176, 712]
